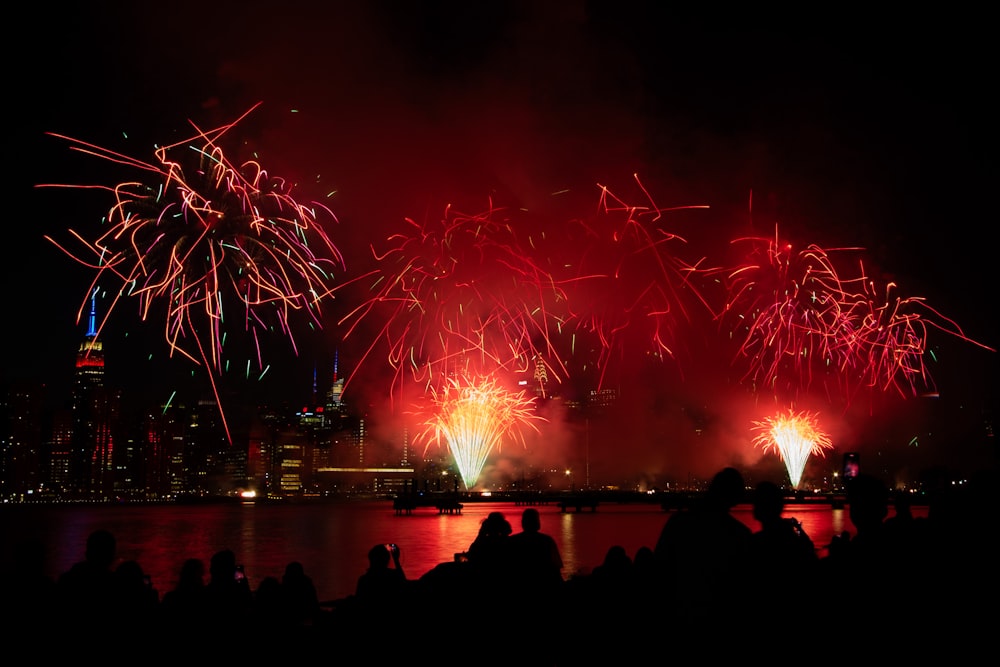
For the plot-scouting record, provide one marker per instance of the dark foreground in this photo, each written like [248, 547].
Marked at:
[903, 590]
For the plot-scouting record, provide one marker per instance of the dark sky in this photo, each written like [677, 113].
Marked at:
[880, 136]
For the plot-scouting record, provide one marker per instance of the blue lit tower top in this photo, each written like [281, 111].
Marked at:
[92, 323]
[90, 356]
[315, 393]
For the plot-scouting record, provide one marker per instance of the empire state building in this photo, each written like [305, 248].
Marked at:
[95, 412]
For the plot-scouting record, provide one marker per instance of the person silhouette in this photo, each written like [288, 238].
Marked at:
[137, 602]
[644, 568]
[535, 564]
[481, 567]
[616, 566]
[382, 587]
[611, 582]
[183, 607]
[781, 540]
[85, 593]
[902, 528]
[957, 563]
[301, 599]
[863, 566]
[701, 553]
[780, 550]
[487, 553]
[228, 595]
[382, 593]
[534, 576]
[268, 615]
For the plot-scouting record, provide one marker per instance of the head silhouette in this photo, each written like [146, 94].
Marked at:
[768, 502]
[495, 523]
[294, 570]
[531, 522]
[868, 501]
[616, 557]
[902, 503]
[192, 572]
[101, 547]
[378, 557]
[223, 565]
[726, 489]
[644, 557]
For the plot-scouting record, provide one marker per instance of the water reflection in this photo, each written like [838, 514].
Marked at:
[332, 540]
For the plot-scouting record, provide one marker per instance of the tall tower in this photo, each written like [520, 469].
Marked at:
[541, 376]
[94, 411]
[334, 399]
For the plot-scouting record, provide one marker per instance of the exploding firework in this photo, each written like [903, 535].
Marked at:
[786, 310]
[462, 291]
[629, 287]
[887, 337]
[216, 248]
[798, 321]
[508, 293]
[795, 436]
[473, 415]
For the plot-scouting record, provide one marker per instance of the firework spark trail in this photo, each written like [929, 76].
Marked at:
[628, 288]
[461, 291]
[466, 286]
[795, 436]
[474, 415]
[499, 291]
[891, 335]
[801, 320]
[207, 235]
[789, 305]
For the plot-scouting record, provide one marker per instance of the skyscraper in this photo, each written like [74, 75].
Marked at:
[95, 413]
[21, 457]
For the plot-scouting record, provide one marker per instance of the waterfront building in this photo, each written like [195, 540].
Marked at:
[20, 439]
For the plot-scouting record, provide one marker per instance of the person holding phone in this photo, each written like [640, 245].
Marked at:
[228, 591]
[780, 549]
[384, 584]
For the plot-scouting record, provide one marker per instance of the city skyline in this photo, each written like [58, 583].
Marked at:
[825, 139]
[505, 469]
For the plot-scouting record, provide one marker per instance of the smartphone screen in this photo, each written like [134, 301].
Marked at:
[852, 465]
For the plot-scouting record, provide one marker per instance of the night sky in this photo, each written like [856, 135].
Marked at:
[881, 138]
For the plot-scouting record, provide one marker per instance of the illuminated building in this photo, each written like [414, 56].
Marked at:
[541, 377]
[602, 398]
[94, 414]
[20, 436]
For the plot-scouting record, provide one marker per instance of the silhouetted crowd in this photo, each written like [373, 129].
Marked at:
[709, 588]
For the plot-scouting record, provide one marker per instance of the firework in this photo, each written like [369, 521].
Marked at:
[798, 320]
[217, 249]
[795, 436]
[786, 310]
[462, 291]
[629, 286]
[888, 338]
[473, 415]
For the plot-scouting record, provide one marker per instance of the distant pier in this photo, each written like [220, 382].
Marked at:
[406, 504]
[453, 502]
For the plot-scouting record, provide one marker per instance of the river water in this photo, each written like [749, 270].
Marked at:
[332, 539]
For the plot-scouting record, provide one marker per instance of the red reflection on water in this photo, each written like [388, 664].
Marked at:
[332, 540]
